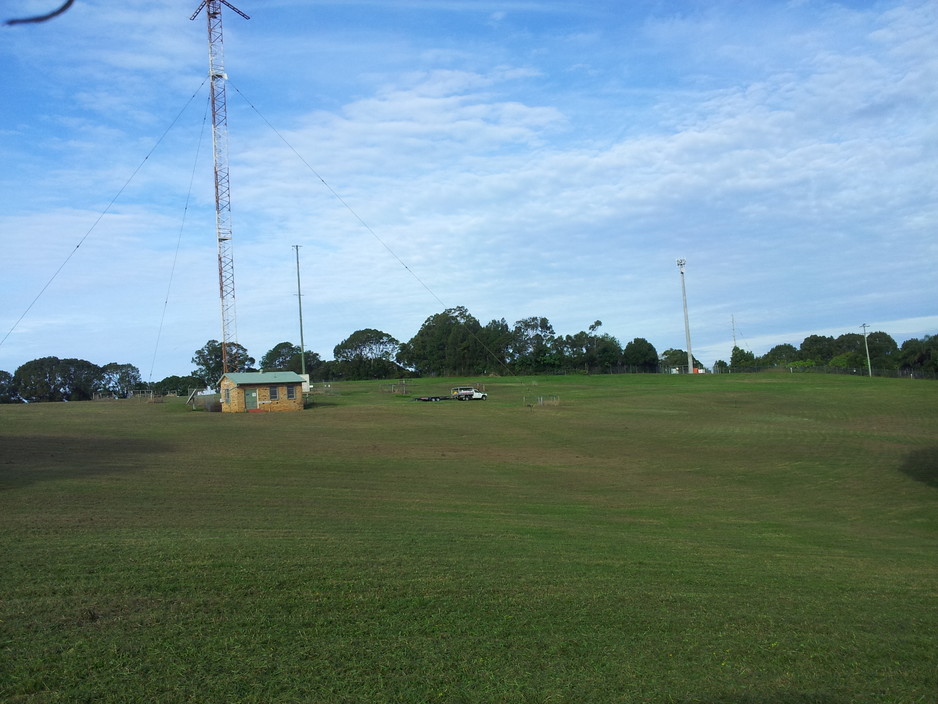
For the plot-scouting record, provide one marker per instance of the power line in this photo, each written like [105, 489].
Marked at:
[182, 227]
[100, 216]
[367, 227]
[340, 199]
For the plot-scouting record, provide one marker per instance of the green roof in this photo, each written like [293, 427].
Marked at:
[241, 378]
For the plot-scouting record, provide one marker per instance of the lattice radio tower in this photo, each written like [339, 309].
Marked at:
[216, 71]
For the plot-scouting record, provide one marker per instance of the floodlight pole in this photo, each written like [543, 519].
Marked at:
[299, 298]
[866, 344]
[681, 263]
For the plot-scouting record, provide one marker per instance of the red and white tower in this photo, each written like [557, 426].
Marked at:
[216, 69]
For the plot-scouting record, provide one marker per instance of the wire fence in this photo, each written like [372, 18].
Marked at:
[852, 371]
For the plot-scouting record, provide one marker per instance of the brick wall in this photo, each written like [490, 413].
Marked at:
[232, 397]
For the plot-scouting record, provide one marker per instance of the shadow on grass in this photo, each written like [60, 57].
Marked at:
[321, 403]
[922, 466]
[778, 697]
[25, 460]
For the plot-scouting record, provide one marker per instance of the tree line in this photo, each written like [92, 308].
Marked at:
[455, 343]
[845, 352]
[54, 379]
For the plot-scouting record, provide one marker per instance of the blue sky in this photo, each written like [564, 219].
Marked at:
[520, 158]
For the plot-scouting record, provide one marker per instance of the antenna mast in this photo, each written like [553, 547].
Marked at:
[299, 297]
[216, 71]
[681, 263]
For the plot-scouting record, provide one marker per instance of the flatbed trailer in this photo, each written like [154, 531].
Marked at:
[458, 393]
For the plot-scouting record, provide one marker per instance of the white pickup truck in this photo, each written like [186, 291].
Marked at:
[468, 393]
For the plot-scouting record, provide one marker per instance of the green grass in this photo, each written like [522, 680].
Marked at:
[737, 538]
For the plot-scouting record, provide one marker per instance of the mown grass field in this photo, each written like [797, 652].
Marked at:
[736, 538]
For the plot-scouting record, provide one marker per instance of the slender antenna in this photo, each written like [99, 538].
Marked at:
[299, 297]
[681, 263]
[866, 344]
[216, 71]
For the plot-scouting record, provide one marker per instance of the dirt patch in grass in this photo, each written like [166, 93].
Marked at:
[922, 466]
[36, 458]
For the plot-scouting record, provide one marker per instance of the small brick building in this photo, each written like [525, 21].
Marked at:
[261, 392]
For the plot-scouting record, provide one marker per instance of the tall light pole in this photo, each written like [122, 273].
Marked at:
[299, 297]
[866, 344]
[681, 263]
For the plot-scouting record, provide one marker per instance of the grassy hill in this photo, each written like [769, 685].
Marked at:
[734, 538]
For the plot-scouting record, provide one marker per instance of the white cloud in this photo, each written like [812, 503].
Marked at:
[792, 169]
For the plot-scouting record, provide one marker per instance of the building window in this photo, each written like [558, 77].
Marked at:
[291, 392]
[274, 393]
[228, 395]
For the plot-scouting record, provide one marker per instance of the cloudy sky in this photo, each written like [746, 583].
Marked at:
[518, 157]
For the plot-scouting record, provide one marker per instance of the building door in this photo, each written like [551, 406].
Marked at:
[250, 399]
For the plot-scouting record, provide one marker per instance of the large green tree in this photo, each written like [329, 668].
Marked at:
[677, 359]
[54, 379]
[641, 355]
[368, 354]
[742, 360]
[120, 380]
[8, 393]
[604, 353]
[849, 352]
[280, 357]
[495, 337]
[209, 366]
[533, 347]
[178, 385]
[572, 350]
[884, 351]
[818, 349]
[81, 379]
[367, 344]
[586, 350]
[779, 356]
[448, 344]
[920, 354]
[285, 357]
[38, 380]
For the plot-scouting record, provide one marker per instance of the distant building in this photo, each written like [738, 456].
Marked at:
[261, 392]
